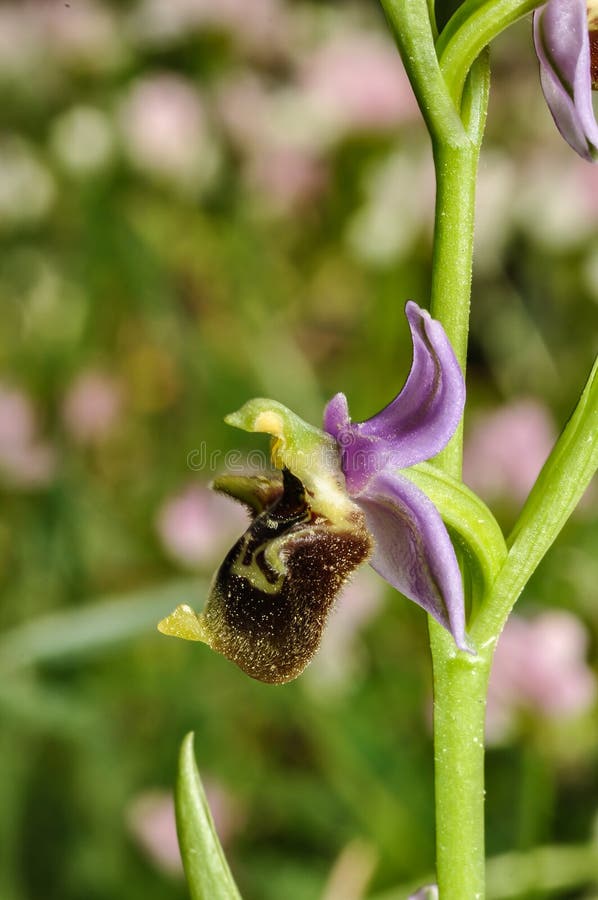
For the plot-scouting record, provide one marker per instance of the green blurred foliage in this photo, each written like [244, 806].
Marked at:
[197, 280]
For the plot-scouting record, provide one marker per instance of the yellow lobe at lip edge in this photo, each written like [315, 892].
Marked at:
[183, 623]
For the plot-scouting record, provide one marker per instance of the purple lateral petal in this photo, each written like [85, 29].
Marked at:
[418, 423]
[413, 551]
[336, 415]
[563, 47]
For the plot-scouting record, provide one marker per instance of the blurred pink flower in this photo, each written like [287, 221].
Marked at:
[280, 138]
[83, 31]
[505, 449]
[287, 176]
[260, 27]
[340, 654]
[360, 80]
[92, 406]
[165, 132]
[556, 199]
[539, 668]
[151, 821]
[25, 461]
[197, 525]
[244, 107]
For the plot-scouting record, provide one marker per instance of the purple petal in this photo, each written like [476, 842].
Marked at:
[563, 47]
[413, 550]
[336, 415]
[418, 423]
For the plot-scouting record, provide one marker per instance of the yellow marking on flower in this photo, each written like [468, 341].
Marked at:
[183, 623]
[270, 422]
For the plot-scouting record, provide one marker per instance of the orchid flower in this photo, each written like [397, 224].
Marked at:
[413, 550]
[341, 500]
[566, 40]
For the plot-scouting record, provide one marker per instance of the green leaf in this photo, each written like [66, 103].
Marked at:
[469, 521]
[208, 875]
[471, 28]
[560, 486]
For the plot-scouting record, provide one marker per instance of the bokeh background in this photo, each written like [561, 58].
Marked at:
[202, 201]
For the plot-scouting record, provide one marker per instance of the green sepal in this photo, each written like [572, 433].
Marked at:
[206, 868]
[256, 492]
[470, 523]
[565, 475]
[306, 451]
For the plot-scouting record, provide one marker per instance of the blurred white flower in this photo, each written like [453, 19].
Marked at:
[80, 32]
[27, 188]
[165, 132]
[198, 526]
[340, 656]
[25, 461]
[555, 200]
[259, 27]
[92, 406]
[399, 199]
[539, 668]
[83, 140]
[282, 137]
[505, 449]
[257, 116]
[288, 178]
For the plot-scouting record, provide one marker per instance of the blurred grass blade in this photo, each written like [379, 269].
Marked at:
[93, 627]
[208, 875]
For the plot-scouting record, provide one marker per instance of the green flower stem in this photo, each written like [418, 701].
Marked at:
[460, 685]
[410, 23]
[456, 175]
[460, 679]
[470, 29]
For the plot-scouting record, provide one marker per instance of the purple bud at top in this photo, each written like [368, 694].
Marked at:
[568, 53]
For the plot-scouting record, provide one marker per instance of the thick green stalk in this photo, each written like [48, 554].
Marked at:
[456, 168]
[460, 685]
[413, 30]
[460, 679]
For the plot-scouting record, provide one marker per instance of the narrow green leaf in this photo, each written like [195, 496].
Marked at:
[469, 521]
[208, 875]
[471, 28]
[560, 486]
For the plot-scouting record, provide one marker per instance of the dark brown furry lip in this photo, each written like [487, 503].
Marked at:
[269, 619]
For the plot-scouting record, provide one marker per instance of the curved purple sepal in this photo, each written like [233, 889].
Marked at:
[563, 47]
[418, 423]
[413, 550]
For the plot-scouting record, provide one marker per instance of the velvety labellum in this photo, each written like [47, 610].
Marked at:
[272, 594]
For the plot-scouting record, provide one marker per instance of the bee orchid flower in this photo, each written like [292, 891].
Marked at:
[566, 41]
[341, 499]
